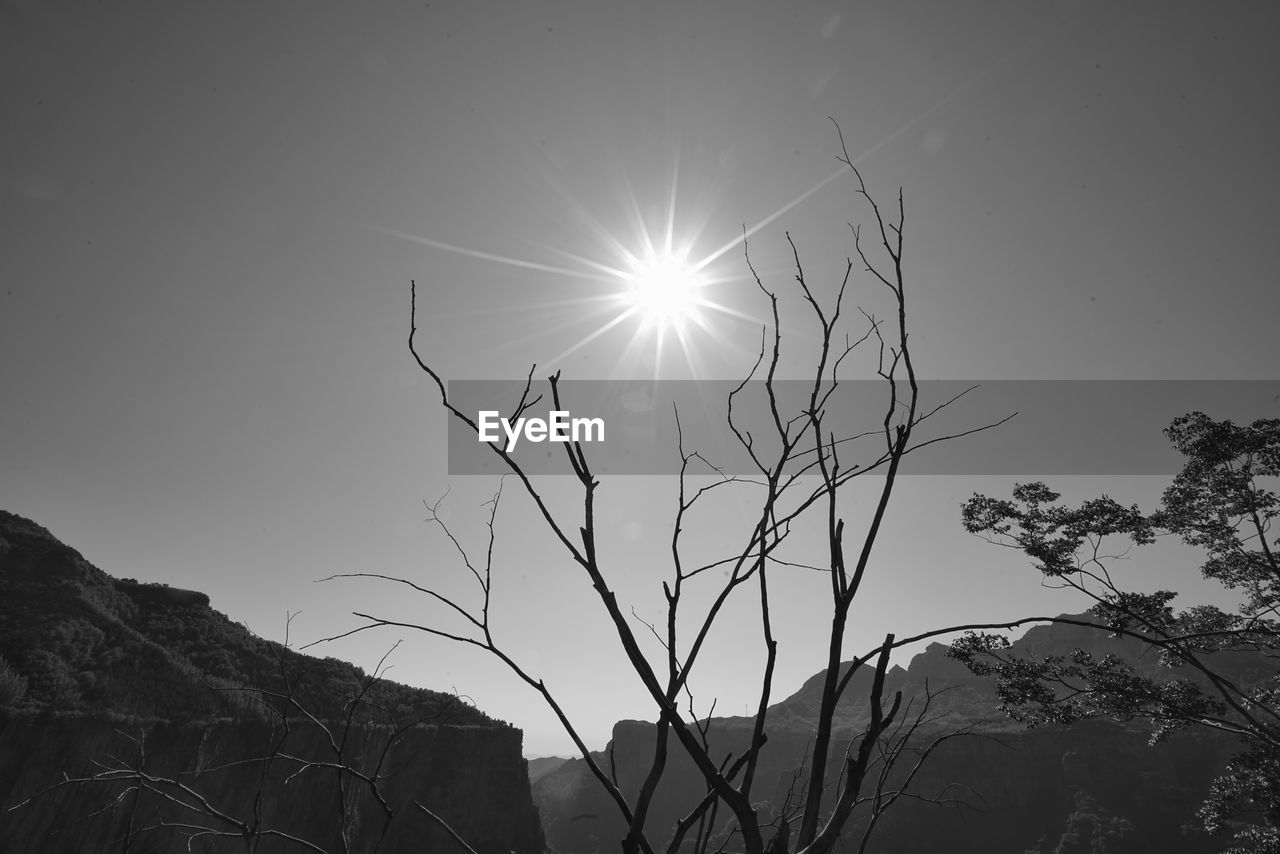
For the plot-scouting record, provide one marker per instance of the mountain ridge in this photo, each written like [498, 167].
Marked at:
[85, 640]
[1097, 786]
[135, 715]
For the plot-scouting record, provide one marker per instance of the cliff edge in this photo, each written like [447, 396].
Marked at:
[134, 717]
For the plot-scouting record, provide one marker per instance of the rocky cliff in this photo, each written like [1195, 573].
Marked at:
[199, 780]
[1095, 788]
[134, 717]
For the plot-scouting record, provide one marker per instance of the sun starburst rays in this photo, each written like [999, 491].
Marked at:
[673, 299]
[650, 281]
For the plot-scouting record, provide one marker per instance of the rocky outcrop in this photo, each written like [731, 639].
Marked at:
[1094, 787]
[472, 777]
[183, 729]
[80, 640]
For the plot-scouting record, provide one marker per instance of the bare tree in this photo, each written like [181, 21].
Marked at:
[799, 468]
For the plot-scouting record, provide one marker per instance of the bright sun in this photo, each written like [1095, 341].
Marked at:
[663, 289]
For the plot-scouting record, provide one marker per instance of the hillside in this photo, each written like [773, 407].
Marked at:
[84, 641]
[135, 717]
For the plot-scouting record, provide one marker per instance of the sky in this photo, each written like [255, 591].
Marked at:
[212, 214]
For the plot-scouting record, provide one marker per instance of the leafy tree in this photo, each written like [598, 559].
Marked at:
[1216, 669]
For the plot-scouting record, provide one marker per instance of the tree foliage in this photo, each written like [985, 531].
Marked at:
[1213, 668]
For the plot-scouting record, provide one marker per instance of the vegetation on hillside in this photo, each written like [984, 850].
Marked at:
[74, 639]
